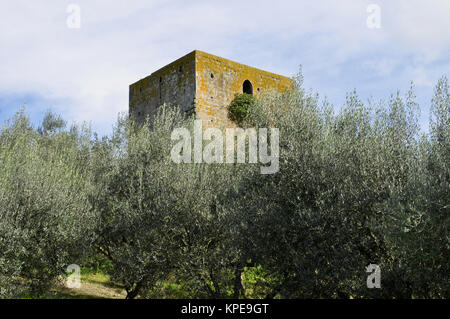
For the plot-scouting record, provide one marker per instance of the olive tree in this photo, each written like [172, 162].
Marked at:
[318, 223]
[46, 220]
[417, 226]
[160, 219]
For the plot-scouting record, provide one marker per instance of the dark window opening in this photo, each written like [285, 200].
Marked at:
[180, 69]
[212, 76]
[247, 87]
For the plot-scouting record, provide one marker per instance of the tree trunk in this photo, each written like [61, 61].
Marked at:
[133, 292]
[239, 288]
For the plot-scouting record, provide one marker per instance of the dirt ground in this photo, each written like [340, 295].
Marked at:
[90, 290]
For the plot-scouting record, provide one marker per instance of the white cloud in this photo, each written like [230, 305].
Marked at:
[381, 67]
[121, 42]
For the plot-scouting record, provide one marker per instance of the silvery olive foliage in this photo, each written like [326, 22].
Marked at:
[417, 212]
[356, 186]
[46, 222]
[162, 220]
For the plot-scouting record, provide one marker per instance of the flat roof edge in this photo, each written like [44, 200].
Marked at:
[245, 65]
[196, 53]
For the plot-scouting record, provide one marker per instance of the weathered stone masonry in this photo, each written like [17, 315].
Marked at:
[202, 83]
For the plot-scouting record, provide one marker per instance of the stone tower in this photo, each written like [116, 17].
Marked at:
[201, 83]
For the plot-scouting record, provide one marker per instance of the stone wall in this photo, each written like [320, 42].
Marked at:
[219, 79]
[202, 83]
[173, 84]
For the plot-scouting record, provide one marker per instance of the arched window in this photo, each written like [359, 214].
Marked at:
[247, 87]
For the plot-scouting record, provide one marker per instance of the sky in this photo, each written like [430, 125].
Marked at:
[77, 58]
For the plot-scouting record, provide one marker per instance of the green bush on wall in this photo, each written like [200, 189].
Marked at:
[239, 107]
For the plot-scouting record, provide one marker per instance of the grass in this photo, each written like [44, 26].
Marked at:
[97, 284]
[92, 276]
